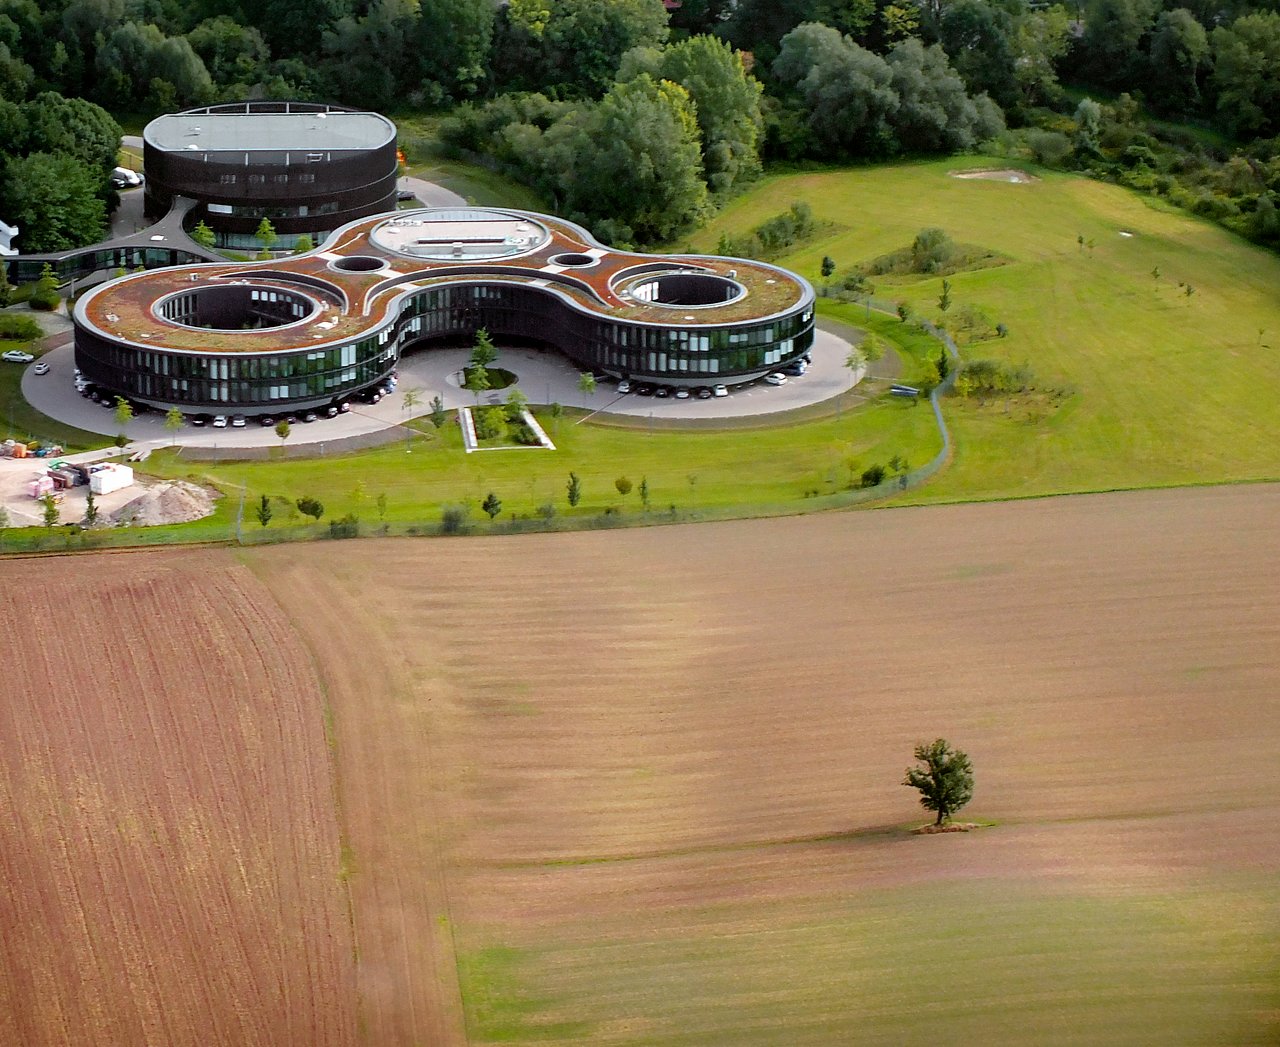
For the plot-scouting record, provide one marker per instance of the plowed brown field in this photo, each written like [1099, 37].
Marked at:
[169, 850]
[641, 787]
[646, 783]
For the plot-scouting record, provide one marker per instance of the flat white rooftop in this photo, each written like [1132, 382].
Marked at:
[274, 132]
[458, 233]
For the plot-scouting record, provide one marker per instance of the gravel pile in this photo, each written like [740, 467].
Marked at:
[175, 501]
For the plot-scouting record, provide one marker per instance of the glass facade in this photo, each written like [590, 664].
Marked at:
[233, 381]
[691, 354]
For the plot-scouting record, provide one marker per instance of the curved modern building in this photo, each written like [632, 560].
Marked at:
[312, 329]
[307, 167]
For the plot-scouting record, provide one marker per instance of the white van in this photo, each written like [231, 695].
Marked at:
[123, 178]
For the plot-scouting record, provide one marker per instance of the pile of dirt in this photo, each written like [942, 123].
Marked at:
[172, 502]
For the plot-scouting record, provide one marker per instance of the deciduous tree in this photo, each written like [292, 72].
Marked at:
[945, 781]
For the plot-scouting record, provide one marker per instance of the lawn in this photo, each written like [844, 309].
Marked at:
[714, 472]
[20, 421]
[1161, 387]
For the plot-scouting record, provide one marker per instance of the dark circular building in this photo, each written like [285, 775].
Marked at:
[312, 329]
[307, 167]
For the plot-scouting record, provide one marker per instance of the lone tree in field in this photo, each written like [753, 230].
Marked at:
[263, 512]
[492, 505]
[945, 781]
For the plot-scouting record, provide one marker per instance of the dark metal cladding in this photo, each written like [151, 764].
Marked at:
[308, 168]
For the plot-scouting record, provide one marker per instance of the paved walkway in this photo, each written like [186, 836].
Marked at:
[544, 376]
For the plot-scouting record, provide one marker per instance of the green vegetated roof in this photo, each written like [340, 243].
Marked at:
[125, 309]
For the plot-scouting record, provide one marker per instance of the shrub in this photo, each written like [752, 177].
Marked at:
[524, 434]
[873, 476]
[45, 300]
[346, 527]
[931, 251]
[22, 328]
[623, 485]
[489, 422]
[453, 519]
[1049, 147]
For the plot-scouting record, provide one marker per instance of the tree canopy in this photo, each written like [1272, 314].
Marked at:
[944, 781]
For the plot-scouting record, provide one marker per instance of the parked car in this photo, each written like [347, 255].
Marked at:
[703, 393]
[682, 394]
[17, 356]
[123, 178]
[662, 392]
[624, 387]
[266, 421]
[331, 411]
[237, 421]
[796, 368]
[406, 194]
[777, 378]
[344, 407]
[310, 416]
[292, 419]
[40, 368]
[219, 421]
[199, 420]
[720, 390]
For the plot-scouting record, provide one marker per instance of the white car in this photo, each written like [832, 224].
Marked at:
[123, 178]
[17, 356]
[40, 368]
[219, 421]
[719, 390]
[624, 386]
[777, 378]
[682, 394]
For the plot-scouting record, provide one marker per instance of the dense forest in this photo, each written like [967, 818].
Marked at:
[637, 120]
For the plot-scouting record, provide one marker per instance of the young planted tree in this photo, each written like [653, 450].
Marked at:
[123, 416]
[492, 505]
[483, 352]
[828, 266]
[856, 360]
[644, 492]
[263, 512]
[945, 781]
[410, 399]
[266, 234]
[283, 429]
[51, 512]
[477, 380]
[623, 485]
[304, 244]
[438, 415]
[90, 509]
[586, 384]
[574, 489]
[944, 299]
[173, 422]
[203, 235]
[517, 403]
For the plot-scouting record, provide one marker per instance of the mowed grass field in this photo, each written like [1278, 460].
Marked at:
[643, 787]
[1163, 388]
